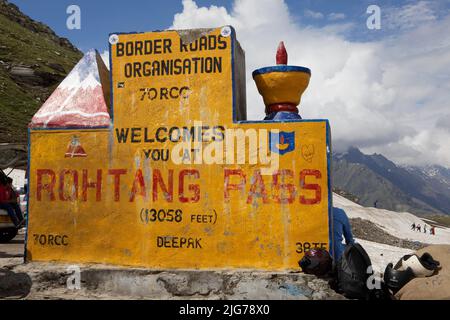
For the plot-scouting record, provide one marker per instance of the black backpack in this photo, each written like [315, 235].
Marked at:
[352, 273]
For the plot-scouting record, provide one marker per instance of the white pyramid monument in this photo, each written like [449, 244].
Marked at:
[81, 100]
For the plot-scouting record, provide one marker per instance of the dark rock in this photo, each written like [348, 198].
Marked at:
[14, 285]
[29, 76]
[57, 67]
[64, 42]
[49, 79]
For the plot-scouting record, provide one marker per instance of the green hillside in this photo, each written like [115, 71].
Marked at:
[33, 61]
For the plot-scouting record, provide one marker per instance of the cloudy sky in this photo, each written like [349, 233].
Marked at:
[384, 90]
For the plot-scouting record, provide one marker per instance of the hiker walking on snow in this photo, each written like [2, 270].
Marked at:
[413, 226]
[432, 231]
[425, 228]
[342, 228]
[418, 228]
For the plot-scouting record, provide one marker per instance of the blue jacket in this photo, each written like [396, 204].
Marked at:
[341, 228]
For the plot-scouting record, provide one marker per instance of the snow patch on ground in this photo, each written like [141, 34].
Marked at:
[397, 224]
[382, 254]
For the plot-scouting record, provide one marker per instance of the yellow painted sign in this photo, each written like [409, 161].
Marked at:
[180, 180]
[159, 76]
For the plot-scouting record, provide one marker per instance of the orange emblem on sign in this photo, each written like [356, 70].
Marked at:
[75, 150]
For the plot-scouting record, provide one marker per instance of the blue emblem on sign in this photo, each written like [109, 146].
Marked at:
[282, 142]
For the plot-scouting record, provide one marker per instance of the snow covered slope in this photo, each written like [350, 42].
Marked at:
[382, 254]
[397, 224]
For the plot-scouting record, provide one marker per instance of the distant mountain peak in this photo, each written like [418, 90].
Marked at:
[376, 180]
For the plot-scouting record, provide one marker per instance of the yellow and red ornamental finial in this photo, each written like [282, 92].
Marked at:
[282, 56]
[282, 85]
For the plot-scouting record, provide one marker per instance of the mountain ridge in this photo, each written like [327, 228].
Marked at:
[378, 181]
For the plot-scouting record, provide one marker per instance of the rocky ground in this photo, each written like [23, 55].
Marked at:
[366, 230]
[50, 281]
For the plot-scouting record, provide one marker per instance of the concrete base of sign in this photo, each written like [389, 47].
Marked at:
[49, 281]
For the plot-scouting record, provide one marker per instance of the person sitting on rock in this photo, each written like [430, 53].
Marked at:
[8, 202]
[342, 228]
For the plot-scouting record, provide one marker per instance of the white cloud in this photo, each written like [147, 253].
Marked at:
[195, 17]
[410, 15]
[336, 16]
[313, 14]
[386, 96]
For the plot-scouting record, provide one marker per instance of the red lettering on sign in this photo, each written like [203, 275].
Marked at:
[73, 188]
[138, 183]
[308, 186]
[231, 186]
[47, 186]
[97, 185]
[158, 180]
[193, 188]
[283, 192]
[257, 188]
[117, 173]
